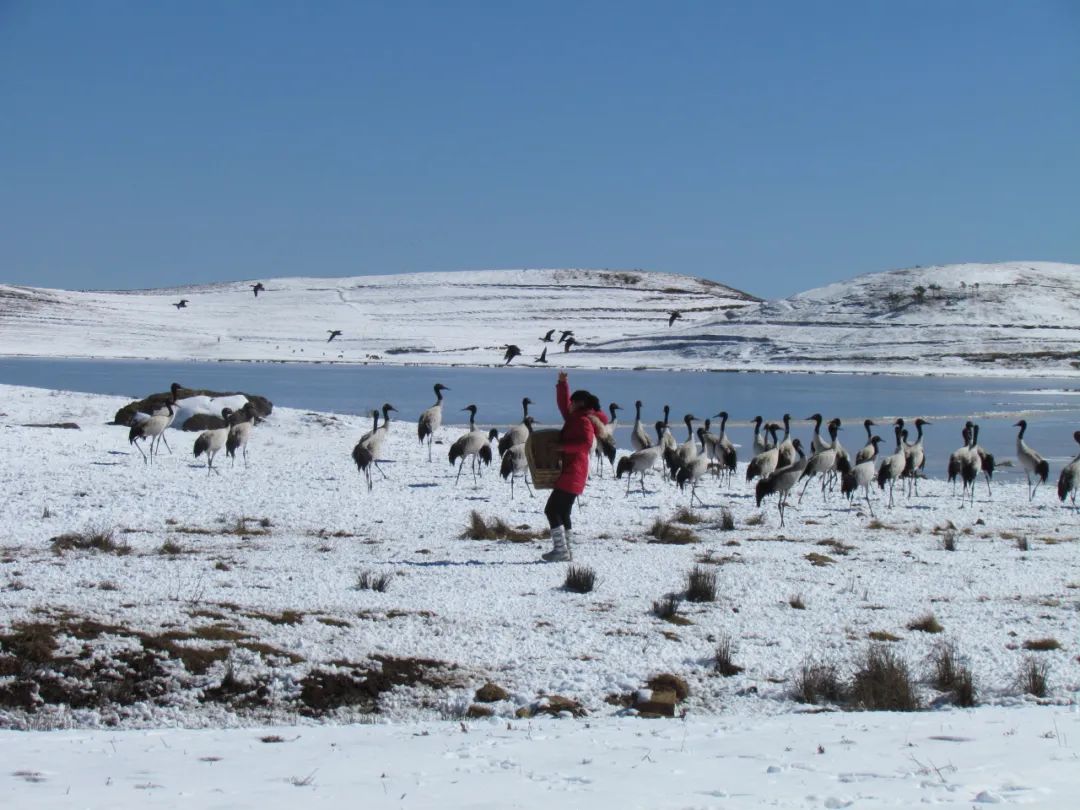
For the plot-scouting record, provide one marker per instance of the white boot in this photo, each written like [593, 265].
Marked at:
[567, 533]
[559, 551]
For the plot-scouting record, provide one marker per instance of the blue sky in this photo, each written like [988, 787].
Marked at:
[772, 146]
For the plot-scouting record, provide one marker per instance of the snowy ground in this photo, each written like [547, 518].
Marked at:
[238, 603]
[969, 319]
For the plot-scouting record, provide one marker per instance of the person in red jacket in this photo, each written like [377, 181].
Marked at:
[579, 411]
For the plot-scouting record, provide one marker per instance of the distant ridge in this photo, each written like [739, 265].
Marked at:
[979, 319]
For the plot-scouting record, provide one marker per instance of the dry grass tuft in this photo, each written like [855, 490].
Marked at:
[701, 585]
[1042, 644]
[882, 635]
[819, 683]
[950, 674]
[1033, 678]
[170, 548]
[819, 560]
[498, 529]
[373, 581]
[99, 539]
[756, 520]
[687, 517]
[667, 532]
[668, 610]
[727, 520]
[580, 579]
[724, 660]
[796, 601]
[948, 540]
[926, 624]
[882, 682]
[877, 525]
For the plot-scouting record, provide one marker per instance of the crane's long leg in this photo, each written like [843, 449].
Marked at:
[460, 466]
[161, 438]
[210, 464]
[528, 487]
[808, 480]
[866, 489]
[137, 447]
[429, 448]
[693, 494]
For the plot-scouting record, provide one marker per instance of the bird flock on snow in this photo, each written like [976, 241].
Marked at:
[779, 463]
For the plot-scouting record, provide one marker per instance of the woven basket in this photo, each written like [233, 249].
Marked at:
[545, 460]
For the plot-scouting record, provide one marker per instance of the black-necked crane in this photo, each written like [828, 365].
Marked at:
[986, 459]
[565, 334]
[665, 437]
[710, 446]
[781, 480]
[474, 445]
[1069, 479]
[861, 475]
[971, 464]
[519, 433]
[1031, 461]
[431, 419]
[728, 457]
[892, 467]
[766, 461]
[673, 316]
[843, 458]
[181, 304]
[692, 471]
[568, 343]
[817, 444]
[511, 352]
[361, 453]
[547, 338]
[257, 288]
[515, 462]
[787, 447]
[761, 438]
[240, 432]
[542, 358]
[640, 461]
[822, 462]
[333, 334]
[868, 450]
[604, 439]
[211, 441]
[366, 452]
[915, 458]
[152, 427]
[155, 424]
[958, 458]
[639, 437]
[688, 450]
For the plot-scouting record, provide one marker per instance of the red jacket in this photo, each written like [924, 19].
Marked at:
[576, 440]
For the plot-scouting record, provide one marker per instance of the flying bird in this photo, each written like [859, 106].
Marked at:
[257, 288]
[512, 351]
[548, 337]
[543, 356]
[565, 334]
[333, 334]
[569, 342]
[181, 304]
[674, 316]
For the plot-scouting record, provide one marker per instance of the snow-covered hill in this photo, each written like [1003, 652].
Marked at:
[427, 318]
[966, 319]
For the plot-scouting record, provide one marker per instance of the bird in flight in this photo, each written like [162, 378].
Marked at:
[548, 337]
[181, 304]
[257, 288]
[512, 351]
[674, 316]
[333, 334]
[566, 333]
[543, 356]
[569, 342]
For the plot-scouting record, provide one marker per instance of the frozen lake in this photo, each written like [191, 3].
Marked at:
[1051, 406]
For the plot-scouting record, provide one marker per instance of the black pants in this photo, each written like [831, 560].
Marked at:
[558, 508]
